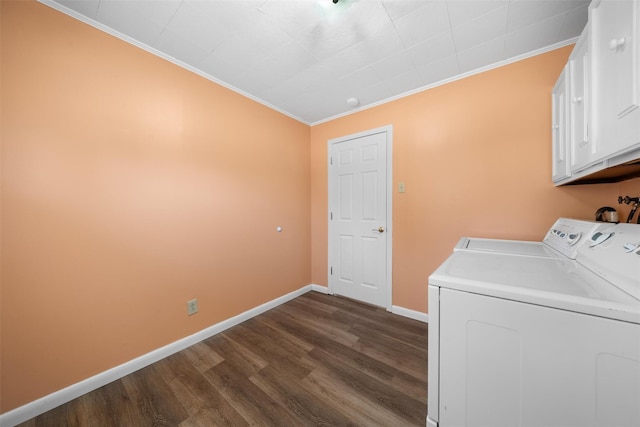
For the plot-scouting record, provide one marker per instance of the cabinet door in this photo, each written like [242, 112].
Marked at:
[616, 113]
[578, 100]
[560, 165]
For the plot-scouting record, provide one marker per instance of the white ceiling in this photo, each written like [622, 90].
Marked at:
[305, 58]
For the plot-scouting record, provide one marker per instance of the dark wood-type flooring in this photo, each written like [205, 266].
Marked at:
[315, 360]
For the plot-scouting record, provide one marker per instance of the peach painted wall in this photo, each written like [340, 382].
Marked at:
[130, 186]
[475, 158]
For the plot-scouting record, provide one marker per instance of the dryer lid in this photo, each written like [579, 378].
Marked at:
[515, 247]
[557, 283]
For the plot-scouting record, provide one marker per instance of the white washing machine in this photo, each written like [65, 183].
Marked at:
[562, 240]
[537, 341]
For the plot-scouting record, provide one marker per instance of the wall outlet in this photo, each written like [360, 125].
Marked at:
[192, 307]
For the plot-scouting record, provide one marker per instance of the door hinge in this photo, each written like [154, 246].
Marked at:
[330, 160]
[331, 270]
[331, 215]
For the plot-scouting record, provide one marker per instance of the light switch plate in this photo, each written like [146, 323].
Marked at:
[192, 307]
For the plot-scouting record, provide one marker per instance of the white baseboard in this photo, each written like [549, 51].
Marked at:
[318, 288]
[412, 314]
[400, 311]
[55, 399]
[67, 394]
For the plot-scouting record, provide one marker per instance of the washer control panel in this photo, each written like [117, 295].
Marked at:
[613, 253]
[630, 247]
[566, 235]
[599, 237]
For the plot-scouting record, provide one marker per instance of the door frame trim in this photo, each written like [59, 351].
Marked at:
[388, 129]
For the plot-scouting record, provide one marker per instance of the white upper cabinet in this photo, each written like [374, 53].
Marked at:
[560, 165]
[616, 76]
[578, 99]
[596, 100]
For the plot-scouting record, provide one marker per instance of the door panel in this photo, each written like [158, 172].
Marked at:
[358, 231]
[345, 259]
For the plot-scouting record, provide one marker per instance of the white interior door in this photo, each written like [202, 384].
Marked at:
[360, 217]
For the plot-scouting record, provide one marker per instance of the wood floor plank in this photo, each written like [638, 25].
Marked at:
[276, 358]
[297, 342]
[195, 393]
[323, 325]
[377, 321]
[309, 327]
[389, 374]
[315, 304]
[267, 346]
[89, 409]
[120, 409]
[236, 353]
[410, 385]
[255, 406]
[315, 360]
[323, 383]
[301, 404]
[396, 355]
[284, 345]
[382, 328]
[211, 417]
[202, 356]
[153, 397]
[410, 409]
[350, 353]
[345, 304]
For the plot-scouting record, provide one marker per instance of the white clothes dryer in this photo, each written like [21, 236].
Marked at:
[561, 240]
[537, 341]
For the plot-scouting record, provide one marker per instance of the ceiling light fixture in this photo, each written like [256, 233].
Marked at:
[353, 102]
[334, 7]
